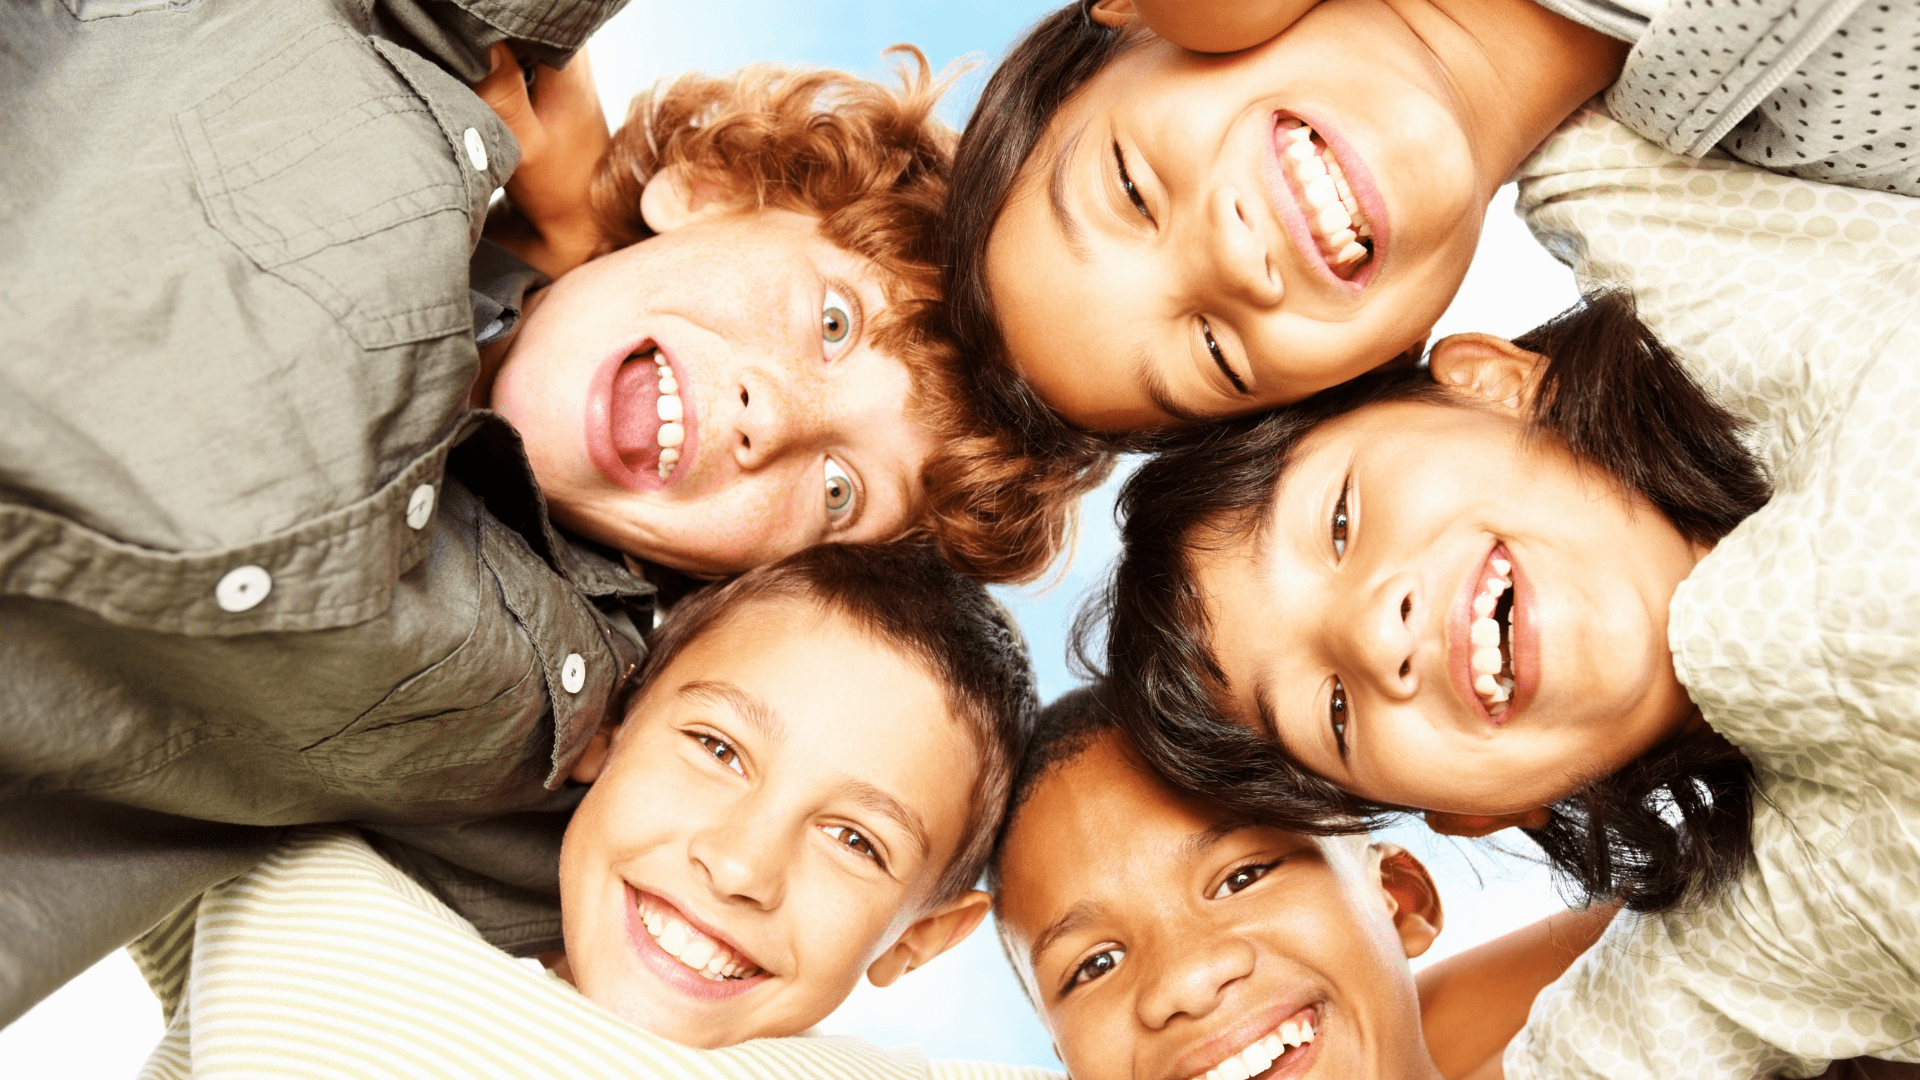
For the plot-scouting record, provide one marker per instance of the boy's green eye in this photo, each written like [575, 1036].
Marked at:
[839, 488]
[839, 322]
[834, 324]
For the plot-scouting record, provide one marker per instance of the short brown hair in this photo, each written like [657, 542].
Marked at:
[906, 595]
[873, 163]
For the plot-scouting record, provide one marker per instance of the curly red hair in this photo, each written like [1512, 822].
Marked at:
[872, 162]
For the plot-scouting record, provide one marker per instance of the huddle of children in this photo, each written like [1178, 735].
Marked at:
[1638, 581]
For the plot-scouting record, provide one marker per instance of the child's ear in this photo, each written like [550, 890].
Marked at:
[593, 760]
[674, 197]
[936, 932]
[1413, 901]
[1478, 825]
[1113, 13]
[1490, 368]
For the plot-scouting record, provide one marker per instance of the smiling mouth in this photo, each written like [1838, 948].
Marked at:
[1274, 1050]
[706, 956]
[1339, 228]
[1491, 634]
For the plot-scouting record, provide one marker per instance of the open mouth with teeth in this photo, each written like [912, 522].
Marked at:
[649, 416]
[1270, 1052]
[1334, 218]
[1491, 635]
[704, 955]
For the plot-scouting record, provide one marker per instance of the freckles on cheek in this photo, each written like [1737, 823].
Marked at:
[753, 528]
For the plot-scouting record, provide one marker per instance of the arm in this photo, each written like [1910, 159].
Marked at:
[1219, 26]
[1472, 1004]
[548, 221]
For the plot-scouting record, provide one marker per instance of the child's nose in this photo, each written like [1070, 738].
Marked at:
[1240, 263]
[743, 860]
[777, 415]
[1193, 978]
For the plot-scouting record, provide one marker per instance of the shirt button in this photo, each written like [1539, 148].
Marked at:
[573, 673]
[242, 589]
[476, 150]
[420, 507]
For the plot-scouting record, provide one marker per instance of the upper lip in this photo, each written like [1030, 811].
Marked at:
[700, 924]
[1228, 1041]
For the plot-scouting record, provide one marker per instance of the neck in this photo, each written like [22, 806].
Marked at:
[1517, 68]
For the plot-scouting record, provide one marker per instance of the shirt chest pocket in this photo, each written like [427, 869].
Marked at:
[357, 172]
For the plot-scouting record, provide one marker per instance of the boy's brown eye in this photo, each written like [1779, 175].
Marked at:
[1100, 963]
[853, 839]
[834, 324]
[839, 322]
[1240, 879]
[721, 751]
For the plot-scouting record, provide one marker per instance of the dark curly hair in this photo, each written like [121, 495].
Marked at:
[1669, 827]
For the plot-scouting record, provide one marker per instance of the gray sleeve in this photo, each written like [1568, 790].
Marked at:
[79, 879]
[458, 33]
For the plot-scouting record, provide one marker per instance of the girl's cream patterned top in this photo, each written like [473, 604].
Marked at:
[327, 962]
[1798, 305]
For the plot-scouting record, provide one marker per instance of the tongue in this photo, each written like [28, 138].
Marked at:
[636, 422]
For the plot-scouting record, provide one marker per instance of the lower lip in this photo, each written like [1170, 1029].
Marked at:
[671, 971]
[598, 428]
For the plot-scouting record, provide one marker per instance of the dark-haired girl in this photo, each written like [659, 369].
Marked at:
[1143, 236]
[1544, 583]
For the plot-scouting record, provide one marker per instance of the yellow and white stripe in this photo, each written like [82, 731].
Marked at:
[326, 962]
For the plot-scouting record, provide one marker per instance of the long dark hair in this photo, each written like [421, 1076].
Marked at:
[1054, 60]
[1670, 826]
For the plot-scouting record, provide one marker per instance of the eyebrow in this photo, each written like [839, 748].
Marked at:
[868, 797]
[749, 708]
[1086, 911]
[1057, 197]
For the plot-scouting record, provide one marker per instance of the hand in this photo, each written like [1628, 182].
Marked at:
[563, 135]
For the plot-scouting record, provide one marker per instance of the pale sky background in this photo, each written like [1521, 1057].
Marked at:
[966, 1004]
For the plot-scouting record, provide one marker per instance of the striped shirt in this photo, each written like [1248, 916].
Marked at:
[326, 962]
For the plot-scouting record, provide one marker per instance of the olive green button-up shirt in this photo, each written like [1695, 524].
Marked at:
[259, 564]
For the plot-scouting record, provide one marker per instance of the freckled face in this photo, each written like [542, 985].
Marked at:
[1169, 254]
[1415, 548]
[710, 399]
[776, 811]
[1158, 950]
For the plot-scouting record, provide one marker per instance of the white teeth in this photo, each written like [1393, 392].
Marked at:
[1483, 605]
[668, 406]
[1487, 661]
[1260, 1056]
[674, 939]
[1502, 566]
[1486, 685]
[668, 384]
[708, 957]
[1341, 240]
[1300, 152]
[671, 434]
[697, 953]
[669, 455]
[1484, 633]
[1351, 253]
[1333, 214]
[1496, 586]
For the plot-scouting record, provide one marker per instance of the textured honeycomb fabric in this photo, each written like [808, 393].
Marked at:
[327, 963]
[1798, 305]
